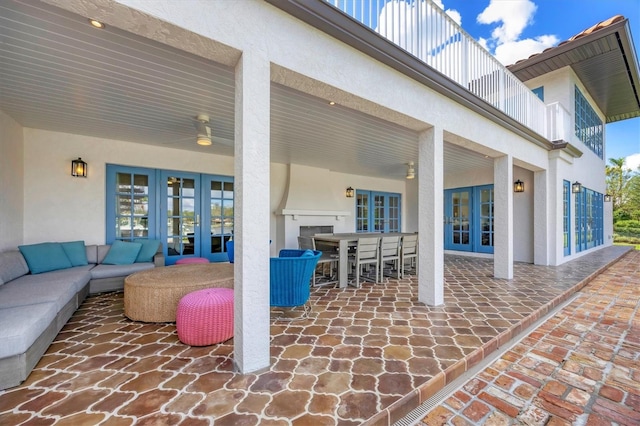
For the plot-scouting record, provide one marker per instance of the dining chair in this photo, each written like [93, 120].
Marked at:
[390, 252]
[408, 251]
[328, 258]
[366, 253]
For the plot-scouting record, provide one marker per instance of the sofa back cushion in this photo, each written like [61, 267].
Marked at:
[76, 252]
[122, 253]
[45, 257]
[92, 253]
[12, 266]
[148, 250]
[103, 249]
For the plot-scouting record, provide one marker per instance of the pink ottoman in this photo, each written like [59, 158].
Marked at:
[205, 317]
[190, 260]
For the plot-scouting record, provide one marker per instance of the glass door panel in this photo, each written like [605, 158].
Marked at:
[393, 223]
[379, 213]
[218, 195]
[362, 211]
[181, 214]
[483, 232]
[130, 193]
[457, 226]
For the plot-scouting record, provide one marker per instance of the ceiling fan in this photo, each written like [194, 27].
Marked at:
[203, 135]
[204, 130]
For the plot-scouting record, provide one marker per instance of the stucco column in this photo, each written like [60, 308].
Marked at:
[503, 217]
[430, 214]
[251, 213]
[540, 219]
[555, 214]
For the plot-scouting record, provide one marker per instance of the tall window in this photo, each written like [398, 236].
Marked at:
[588, 127]
[566, 215]
[589, 220]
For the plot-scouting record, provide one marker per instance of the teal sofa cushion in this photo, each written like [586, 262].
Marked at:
[148, 250]
[45, 257]
[76, 252]
[122, 253]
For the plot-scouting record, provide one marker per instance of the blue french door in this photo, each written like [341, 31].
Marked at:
[191, 213]
[377, 211]
[180, 213]
[198, 213]
[217, 216]
[457, 221]
[469, 221]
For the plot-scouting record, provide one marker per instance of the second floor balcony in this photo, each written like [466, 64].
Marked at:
[422, 29]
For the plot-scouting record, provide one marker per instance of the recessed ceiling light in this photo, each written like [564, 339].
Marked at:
[96, 24]
[332, 103]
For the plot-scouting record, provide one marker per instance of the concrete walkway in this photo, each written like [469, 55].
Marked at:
[580, 367]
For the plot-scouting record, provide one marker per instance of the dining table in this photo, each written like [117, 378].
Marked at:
[344, 241]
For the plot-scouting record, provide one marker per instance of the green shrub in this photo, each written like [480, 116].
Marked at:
[628, 223]
[626, 239]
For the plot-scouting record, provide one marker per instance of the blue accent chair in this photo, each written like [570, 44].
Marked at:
[229, 246]
[290, 277]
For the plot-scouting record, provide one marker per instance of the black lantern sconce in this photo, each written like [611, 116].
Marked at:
[576, 187]
[607, 198]
[349, 193]
[518, 186]
[78, 168]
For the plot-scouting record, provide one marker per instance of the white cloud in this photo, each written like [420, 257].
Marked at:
[453, 14]
[513, 16]
[632, 161]
[512, 51]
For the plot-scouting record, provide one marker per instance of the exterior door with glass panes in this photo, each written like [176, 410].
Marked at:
[457, 220]
[180, 214]
[483, 219]
[131, 197]
[217, 218]
[377, 211]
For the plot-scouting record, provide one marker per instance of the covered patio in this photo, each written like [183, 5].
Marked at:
[364, 356]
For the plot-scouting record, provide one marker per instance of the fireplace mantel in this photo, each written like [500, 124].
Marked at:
[294, 213]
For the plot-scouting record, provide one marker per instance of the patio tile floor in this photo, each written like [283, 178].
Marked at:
[364, 356]
[581, 366]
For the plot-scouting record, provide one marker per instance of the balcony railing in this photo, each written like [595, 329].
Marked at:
[423, 29]
[559, 123]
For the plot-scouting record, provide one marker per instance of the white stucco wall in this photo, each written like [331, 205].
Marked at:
[12, 184]
[59, 207]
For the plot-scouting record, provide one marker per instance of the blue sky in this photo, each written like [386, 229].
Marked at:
[528, 26]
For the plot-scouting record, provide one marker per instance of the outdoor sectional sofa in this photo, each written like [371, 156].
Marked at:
[42, 285]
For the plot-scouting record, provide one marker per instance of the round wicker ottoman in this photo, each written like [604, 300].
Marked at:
[153, 295]
[205, 317]
[191, 260]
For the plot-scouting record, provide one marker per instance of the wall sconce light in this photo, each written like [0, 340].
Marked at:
[349, 192]
[576, 187]
[411, 171]
[607, 198]
[78, 168]
[518, 186]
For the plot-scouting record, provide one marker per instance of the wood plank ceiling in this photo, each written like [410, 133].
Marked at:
[58, 73]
